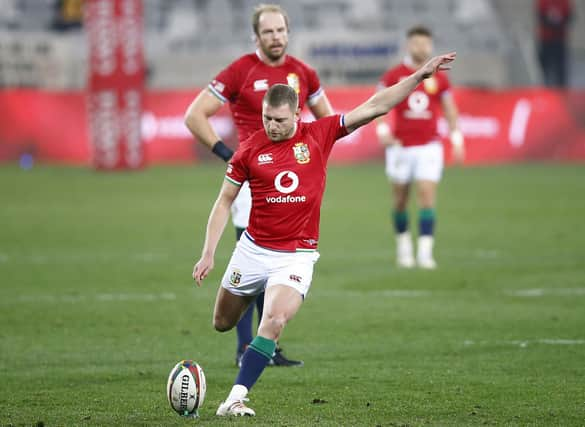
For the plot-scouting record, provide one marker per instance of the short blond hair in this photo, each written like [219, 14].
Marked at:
[263, 8]
[281, 94]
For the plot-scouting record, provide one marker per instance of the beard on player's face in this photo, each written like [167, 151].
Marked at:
[273, 49]
[272, 35]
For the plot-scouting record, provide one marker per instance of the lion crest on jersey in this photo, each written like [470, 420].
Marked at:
[302, 154]
[293, 81]
[235, 278]
[431, 85]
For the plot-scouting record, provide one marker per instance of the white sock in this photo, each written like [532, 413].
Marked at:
[404, 245]
[425, 247]
[238, 392]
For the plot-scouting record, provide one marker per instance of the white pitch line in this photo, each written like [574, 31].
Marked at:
[526, 343]
[43, 259]
[561, 342]
[389, 293]
[57, 299]
[487, 253]
[534, 293]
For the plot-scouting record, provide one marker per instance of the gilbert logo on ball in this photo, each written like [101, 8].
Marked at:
[186, 388]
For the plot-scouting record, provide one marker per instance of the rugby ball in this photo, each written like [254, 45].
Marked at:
[186, 388]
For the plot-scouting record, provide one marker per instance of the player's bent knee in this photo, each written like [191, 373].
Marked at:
[222, 323]
[273, 324]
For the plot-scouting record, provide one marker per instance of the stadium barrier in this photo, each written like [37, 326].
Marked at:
[500, 126]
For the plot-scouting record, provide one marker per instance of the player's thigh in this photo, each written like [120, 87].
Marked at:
[287, 286]
[428, 162]
[242, 206]
[281, 304]
[399, 164]
[229, 308]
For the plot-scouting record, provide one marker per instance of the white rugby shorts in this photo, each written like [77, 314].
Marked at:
[252, 269]
[417, 163]
[242, 206]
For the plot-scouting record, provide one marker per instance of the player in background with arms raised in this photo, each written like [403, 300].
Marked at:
[278, 250]
[414, 153]
[243, 85]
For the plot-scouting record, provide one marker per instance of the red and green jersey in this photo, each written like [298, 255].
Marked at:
[287, 179]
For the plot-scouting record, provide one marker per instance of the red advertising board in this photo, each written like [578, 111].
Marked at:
[115, 82]
[499, 126]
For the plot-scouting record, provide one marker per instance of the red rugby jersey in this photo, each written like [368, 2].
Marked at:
[416, 117]
[245, 81]
[287, 179]
[554, 19]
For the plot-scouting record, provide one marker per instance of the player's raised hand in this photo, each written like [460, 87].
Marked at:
[384, 134]
[202, 269]
[438, 63]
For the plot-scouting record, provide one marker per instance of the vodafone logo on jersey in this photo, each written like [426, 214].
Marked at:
[286, 189]
[286, 182]
[418, 104]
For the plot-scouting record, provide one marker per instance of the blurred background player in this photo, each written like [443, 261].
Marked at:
[243, 84]
[414, 151]
[554, 19]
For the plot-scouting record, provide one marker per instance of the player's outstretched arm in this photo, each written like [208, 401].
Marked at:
[197, 117]
[383, 101]
[215, 225]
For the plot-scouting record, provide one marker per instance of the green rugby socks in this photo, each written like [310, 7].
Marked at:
[255, 359]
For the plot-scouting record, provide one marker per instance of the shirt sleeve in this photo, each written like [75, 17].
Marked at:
[330, 129]
[225, 85]
[314, 86]
[237, 169]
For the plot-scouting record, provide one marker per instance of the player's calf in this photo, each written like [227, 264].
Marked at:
[424, 255]
[255, 359]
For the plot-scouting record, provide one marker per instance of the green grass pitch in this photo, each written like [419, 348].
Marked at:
[97, 303]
